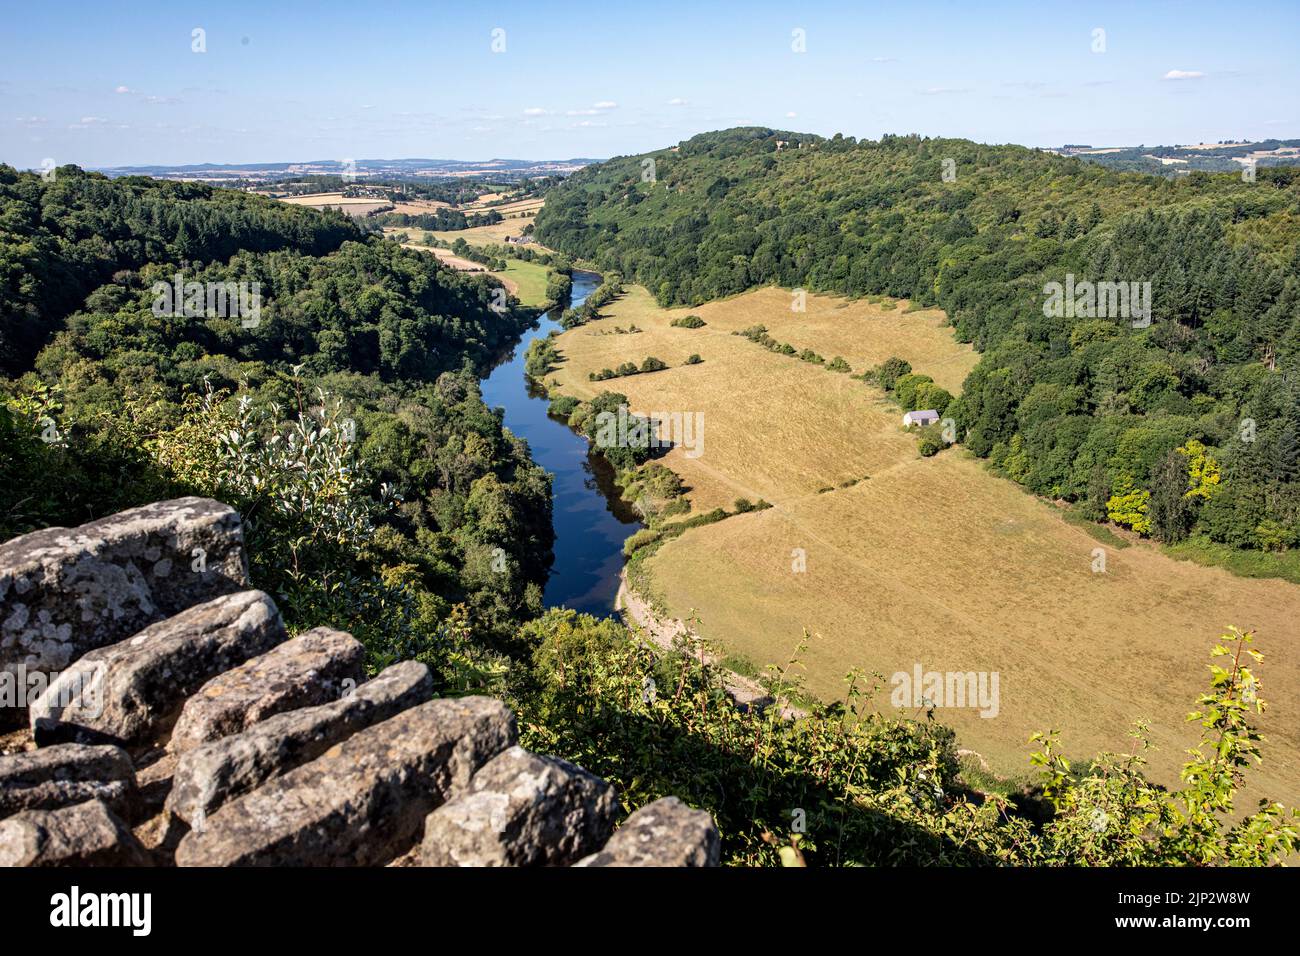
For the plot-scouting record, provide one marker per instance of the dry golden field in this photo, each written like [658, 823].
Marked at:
[518, 216]
[420, 207]
[365, 204]
[494, 234]
[929, 561]
[516, 209]
[775, 426]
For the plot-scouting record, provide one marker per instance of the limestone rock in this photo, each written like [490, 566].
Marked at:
[85, 834]
[315, 667]
[521, 810]
[215, 772]
[131, 692]
[664, 833]
[54, 777]
[65, 591]
[362, 802]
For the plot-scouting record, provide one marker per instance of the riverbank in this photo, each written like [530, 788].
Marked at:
[667, 632]
[589, 519]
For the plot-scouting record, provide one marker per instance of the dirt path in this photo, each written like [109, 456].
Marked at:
[662, 632]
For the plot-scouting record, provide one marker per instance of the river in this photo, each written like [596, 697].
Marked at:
[591, 521]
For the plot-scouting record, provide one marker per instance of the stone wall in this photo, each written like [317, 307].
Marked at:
[168, 718]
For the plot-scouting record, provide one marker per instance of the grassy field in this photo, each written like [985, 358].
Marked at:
[930, 561]
[775, 426]
[494, 234]
[529, 280]
[524, 280]
[520, 207]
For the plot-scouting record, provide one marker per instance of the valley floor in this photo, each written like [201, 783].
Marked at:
[919, 561]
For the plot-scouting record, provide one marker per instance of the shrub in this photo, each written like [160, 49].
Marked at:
[562, 406]
[890, 371]
[639, 540]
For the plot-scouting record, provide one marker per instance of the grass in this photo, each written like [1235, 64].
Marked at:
[529, 279]
[525, 280]
[495, 234]
[936, 560]
[1248, 564]
[1098, 532]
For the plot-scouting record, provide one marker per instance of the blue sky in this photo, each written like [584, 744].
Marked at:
[106, 84]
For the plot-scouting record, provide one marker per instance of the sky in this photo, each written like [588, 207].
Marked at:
[125, 83]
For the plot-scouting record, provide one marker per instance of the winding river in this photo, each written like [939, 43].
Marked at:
[590, 520]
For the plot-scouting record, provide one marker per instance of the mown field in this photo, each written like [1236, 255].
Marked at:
[930, 561]
[524, 280]
[515, 209]
[774, 426]
[494, 234]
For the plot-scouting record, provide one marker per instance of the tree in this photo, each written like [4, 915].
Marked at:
[1128, 505]
[890, 371]
[1168, 509]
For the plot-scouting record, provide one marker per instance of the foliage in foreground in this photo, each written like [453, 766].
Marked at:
[852, 786]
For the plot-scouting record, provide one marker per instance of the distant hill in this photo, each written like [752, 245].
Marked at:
[1225, 157]
[504, 169]
[1093, 405]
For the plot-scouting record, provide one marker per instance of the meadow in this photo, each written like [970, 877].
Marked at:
[524, 280]
[493, 234]
[911, 560]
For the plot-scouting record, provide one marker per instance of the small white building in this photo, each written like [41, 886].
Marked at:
[927, 416]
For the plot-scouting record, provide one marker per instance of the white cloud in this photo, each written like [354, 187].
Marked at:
[124, 89]
[791, 115]
[596, 109]
[943, 90]
[677, 101]
[1183, 75]
[535, 111]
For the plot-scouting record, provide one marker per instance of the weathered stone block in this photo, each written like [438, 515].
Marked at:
[664, 833]
[85, 834]
[313, 668]
[54, 777]
[363, 802]
[131, 692]
[211, 774]
[65, 591]
[521, 809]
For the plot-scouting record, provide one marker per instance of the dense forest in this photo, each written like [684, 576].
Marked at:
[360, 362]
[1184, 427]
